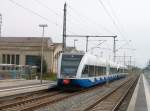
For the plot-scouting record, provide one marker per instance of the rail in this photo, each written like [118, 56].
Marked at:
[112, 100]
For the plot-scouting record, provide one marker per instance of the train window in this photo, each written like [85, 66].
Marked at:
[120, 70]
[123, 70]
[88, 71]
[96, 71]
[91, 71]
[117, 70]
[103, 70]
[100, 70]
[85, 71]
[70, 63]
[111, 70]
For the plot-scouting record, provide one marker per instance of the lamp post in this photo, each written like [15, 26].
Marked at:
[43, 30]
[75, 43]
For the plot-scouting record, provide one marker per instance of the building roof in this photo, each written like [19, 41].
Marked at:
[24, 39]
[27, 43]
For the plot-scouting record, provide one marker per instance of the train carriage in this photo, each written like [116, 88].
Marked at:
[86, 70]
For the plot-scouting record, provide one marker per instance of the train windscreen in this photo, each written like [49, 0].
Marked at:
[69, 64]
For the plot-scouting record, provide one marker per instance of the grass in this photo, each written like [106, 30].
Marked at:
[51, 76]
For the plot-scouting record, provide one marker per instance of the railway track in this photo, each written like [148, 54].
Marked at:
[25, 99]
[33, 102]
[112, 100]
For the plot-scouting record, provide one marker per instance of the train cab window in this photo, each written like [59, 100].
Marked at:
[69, 64]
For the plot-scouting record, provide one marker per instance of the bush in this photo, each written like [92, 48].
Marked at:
[50, 76]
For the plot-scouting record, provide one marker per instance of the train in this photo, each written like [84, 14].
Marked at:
[87, 70]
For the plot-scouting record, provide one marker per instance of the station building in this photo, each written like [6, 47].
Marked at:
[27, 51]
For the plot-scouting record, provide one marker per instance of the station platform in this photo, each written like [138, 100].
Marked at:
[140, 100]
[19, 86]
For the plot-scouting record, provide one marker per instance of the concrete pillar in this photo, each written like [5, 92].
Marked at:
[14, 58]
[10, 59]
[22, 59]
[1, 58]
[48, 60]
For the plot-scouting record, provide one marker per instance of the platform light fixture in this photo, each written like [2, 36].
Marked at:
[42, 54]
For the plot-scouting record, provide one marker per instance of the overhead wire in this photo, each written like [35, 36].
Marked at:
[37, 14]
[46, 19]
[88, 20]
[111, 17]
[121, 27]
[113, 20]
[79, 23]
[82, 22]
[45, 6]
[84, 18]
[117, 20]
[54, 12]
[31, 11]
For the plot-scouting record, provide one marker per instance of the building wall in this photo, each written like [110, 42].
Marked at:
[22, 60]
[24, 46]
[57, 51]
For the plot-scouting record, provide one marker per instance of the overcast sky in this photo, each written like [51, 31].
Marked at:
[128, 19]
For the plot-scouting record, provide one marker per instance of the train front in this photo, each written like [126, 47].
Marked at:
[67, 68]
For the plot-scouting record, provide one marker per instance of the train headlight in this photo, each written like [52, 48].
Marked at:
[66, 81]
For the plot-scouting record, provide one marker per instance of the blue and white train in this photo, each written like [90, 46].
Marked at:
[86, 70]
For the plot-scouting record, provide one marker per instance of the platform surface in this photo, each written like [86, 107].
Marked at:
[13, 87]
[140, 100]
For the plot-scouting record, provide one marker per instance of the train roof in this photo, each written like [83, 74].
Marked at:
[73, 53]
[91, 59]
[97, 60]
